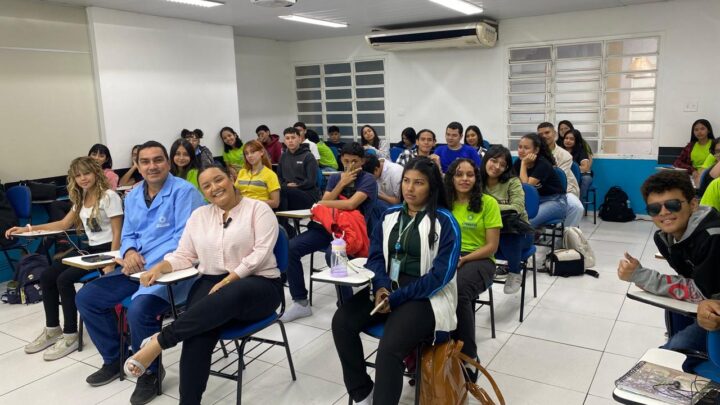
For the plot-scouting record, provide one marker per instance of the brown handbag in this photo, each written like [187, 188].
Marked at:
[443, 377]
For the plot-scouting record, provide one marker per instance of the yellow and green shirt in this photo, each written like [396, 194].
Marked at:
[257, 186]
[711, 197]
[235, 158]
[327, 157]
[474, 224]
[699, 153]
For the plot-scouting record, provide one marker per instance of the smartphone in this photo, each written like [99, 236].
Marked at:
[96, 258]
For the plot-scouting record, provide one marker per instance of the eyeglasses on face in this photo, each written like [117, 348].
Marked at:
[673, 205]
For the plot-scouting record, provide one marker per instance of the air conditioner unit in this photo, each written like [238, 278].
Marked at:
[273, 3]
[478, 34]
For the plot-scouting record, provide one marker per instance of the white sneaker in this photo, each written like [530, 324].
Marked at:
[296, 311]
[67, 344]
[512, 283]
[47, 338]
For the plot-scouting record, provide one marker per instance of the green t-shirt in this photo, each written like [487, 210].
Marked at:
[474, 224]
[327, 158]
[711, 198]
[709, 162]
[699, 153]
[410, 247]
[235, 158]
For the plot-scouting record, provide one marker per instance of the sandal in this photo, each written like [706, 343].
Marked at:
[135, 363]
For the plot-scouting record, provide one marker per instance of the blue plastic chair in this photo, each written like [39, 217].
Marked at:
[242, 333]
[395, 152]
[711, 368]
[20, 200]
[586, 198]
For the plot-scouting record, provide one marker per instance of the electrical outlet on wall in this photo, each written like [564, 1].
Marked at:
[691, 106]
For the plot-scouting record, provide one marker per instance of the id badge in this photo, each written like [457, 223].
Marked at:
[395, 269]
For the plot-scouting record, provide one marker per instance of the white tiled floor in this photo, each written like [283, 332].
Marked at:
[578, 336]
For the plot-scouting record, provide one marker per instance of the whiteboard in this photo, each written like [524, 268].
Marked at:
[158, 75]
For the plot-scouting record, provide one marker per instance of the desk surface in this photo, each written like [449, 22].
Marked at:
[667, 358]
[124, 188]
[295, 214]
[36, 234]
[330, 173]
[357, 275]
[673, 305]
[79, 263]
[170, 278]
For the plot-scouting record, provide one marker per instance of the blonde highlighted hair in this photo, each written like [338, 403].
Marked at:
[83, 165]
[253, 146]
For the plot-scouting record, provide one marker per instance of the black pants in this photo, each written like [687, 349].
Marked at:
[58, 282]
[405, 328]
[293, 199]
[472, 279]
[249, 299]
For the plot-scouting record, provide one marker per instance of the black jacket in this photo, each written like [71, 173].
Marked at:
[697, 254]
[7, 218]
[299, 167]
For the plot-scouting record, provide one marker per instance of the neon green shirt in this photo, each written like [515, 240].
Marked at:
[327, 158]
[711, 198]
[699, 153]
[709, 162]
[235, 158]
[474, 224]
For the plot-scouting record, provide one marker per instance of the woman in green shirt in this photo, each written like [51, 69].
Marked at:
[182, 162]
[503, 185]
[479, 218]
[697, 150]
[233, 154]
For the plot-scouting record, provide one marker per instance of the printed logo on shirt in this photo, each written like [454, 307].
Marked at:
[299, 162]
[162, 222]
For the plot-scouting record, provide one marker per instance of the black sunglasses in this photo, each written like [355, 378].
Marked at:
[673, 205]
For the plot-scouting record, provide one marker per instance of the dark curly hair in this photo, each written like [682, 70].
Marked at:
[668, 180]
[475, 204]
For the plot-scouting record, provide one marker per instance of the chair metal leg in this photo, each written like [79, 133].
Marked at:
[522, 293]
[241, 366]
[312, 266]
[121, 328]
[492, 312]
[287, 350]
[224, 349]
[534, 270]
[80, 334]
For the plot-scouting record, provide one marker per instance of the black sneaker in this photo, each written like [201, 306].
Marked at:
[501, 272]
[106, 374]
[472, 375]
[147, 388]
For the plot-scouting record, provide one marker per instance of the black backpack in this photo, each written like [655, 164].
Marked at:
[616, 206]
[25, 287]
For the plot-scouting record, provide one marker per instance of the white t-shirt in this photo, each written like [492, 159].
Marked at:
[313, 149]
[390, 179]
[100, 231]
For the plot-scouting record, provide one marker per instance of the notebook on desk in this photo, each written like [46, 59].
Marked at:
[669, 385]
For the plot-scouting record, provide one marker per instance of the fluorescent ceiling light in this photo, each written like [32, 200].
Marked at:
[200, 3]
[460, 5]
[315, 21]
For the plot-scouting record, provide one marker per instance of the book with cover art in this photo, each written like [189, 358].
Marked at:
[668, 385]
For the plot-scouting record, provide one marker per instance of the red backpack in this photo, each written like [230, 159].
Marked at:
[351, 223]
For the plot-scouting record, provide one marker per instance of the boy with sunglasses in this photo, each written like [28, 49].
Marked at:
[689, 238]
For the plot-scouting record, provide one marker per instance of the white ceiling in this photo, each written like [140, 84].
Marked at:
[360, 15]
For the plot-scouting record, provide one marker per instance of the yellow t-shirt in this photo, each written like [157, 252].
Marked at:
[709, 162]
[711, 198]
[699, 153]
[257, 186]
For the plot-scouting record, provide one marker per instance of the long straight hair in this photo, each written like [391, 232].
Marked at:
[238, 142]
[543, 149]
[475, 204]
[497, 151]
[437, 197]
[100, 148]
[254, 146]
[182, 171]
[84, 165]
[375, 143]
[702, 122]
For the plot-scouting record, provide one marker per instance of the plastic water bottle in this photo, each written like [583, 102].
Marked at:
[338, 259]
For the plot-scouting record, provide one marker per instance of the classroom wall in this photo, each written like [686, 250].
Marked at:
[264, 85]
[158, 75]
[432, 88]
[47, 95]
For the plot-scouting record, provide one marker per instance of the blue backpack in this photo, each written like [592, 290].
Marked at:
[25, 287]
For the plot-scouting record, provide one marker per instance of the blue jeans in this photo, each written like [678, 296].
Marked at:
[585, 183]
[685, 334]
[575, 210]
[315, 239]
[96, 303]
[552, 207]
[511, 247]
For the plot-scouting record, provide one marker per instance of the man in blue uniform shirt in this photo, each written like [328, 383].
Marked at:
[155, 216]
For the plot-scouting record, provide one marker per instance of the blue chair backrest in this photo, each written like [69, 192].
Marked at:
[395, 152]
[486, 144]
[281, 249]
[576, 172]
[532, 200]
[702, 176]
[561, 175]
[21, 200]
